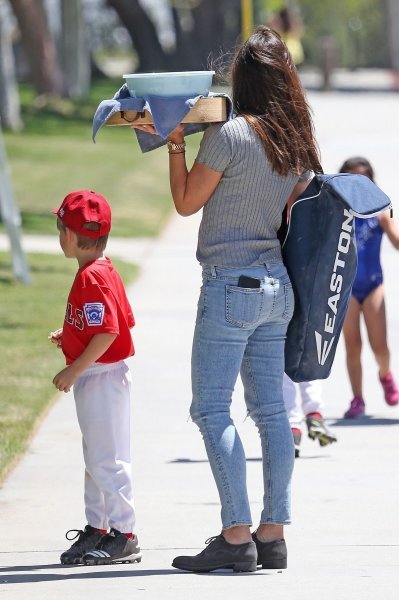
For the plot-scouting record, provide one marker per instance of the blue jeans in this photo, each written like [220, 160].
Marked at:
[240, 330]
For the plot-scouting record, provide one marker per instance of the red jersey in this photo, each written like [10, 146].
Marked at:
[97, 303]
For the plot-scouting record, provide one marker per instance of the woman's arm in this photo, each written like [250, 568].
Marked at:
[192, 189]
[390, 228]
[297, 191]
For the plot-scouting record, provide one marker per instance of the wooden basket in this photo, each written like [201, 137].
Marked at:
[205, 110]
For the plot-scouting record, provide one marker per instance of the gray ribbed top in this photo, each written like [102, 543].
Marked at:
[240, 220]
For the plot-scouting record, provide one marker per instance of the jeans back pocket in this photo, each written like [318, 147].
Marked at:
[243, 305]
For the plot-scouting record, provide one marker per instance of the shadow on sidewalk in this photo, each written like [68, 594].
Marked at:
[25, 577]
[365, 421]
[183, 461]
[42, 577]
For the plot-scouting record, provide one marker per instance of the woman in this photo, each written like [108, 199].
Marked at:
[368, 298]
[244, 174]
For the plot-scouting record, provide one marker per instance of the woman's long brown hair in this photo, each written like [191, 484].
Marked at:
[267, 92]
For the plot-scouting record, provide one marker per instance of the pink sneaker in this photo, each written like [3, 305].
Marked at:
[356, 408]
[391, 391]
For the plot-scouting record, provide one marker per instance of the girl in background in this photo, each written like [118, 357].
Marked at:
[368, 298]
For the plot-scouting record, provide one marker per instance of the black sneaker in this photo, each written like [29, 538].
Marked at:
[318, 430]
[297, 435]
[114, 547]
[87, 540]
[271, 555]
[219, 554]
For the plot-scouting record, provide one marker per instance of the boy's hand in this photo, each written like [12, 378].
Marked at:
[65, 379]
[55, 337]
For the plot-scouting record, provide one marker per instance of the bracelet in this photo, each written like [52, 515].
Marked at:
[177, 152]
[172, 146]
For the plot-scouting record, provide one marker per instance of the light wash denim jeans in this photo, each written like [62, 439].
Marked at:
[241, 330]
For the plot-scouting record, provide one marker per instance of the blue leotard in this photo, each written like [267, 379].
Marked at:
[369, 272]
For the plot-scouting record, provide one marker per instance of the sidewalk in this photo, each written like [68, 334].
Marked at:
[133, 250]
[344, 539]
[355, 80]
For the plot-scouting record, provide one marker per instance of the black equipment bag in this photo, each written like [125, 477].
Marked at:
[319, 252]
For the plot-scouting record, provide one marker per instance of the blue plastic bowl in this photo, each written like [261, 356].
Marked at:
[183, 83]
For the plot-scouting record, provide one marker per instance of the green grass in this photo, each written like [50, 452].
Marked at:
[29, 361]
[54, 154]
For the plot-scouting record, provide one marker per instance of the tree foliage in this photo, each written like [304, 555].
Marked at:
[204, 30]
[358, 27]
[205, 33]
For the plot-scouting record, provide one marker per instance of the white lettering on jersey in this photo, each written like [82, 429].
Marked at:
[74, 316]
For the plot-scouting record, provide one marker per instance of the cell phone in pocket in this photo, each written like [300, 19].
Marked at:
[248, 282]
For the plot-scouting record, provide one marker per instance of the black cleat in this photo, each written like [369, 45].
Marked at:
[87, 540]
[297, 435]
[318, 430]
[114, 547]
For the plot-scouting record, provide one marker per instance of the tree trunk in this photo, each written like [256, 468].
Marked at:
[142, 32]
[392, 7]
[39, 47]
[75, 51]
[214, 35]
[10, 114]
[209, 32]
[12, 218]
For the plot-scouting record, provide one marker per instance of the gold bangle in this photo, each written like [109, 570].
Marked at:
[172, 146]
[176, 152]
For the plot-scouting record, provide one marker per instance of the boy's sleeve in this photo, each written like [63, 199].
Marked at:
[100, 311]
[130, 317]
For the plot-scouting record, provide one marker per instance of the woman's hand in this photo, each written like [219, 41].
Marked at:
[146, 128]
[176, 136]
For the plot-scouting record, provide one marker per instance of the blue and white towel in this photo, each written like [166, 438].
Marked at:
[166, 114]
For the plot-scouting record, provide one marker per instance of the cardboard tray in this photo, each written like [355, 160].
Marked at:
[206, 110]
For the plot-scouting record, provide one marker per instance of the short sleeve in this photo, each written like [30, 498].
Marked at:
[215, 150]
[100, 312]
[306, 176]
[130, 317]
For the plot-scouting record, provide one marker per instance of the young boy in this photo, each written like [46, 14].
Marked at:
[95, 340]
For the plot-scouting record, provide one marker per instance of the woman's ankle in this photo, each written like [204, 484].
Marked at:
[270, 532]
[240, 534]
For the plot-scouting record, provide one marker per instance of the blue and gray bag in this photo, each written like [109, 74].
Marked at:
[319, 252]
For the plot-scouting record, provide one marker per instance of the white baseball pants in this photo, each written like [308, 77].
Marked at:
[102, 397]
[301, 399]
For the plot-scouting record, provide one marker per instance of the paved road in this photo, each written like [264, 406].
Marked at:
[344, 541]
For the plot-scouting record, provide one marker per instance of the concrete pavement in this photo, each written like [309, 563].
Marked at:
[344, 540]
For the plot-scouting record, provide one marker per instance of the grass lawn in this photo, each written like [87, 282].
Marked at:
[54, 154]
[28, 360]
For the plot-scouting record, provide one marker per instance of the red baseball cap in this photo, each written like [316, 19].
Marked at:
[85, 206]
